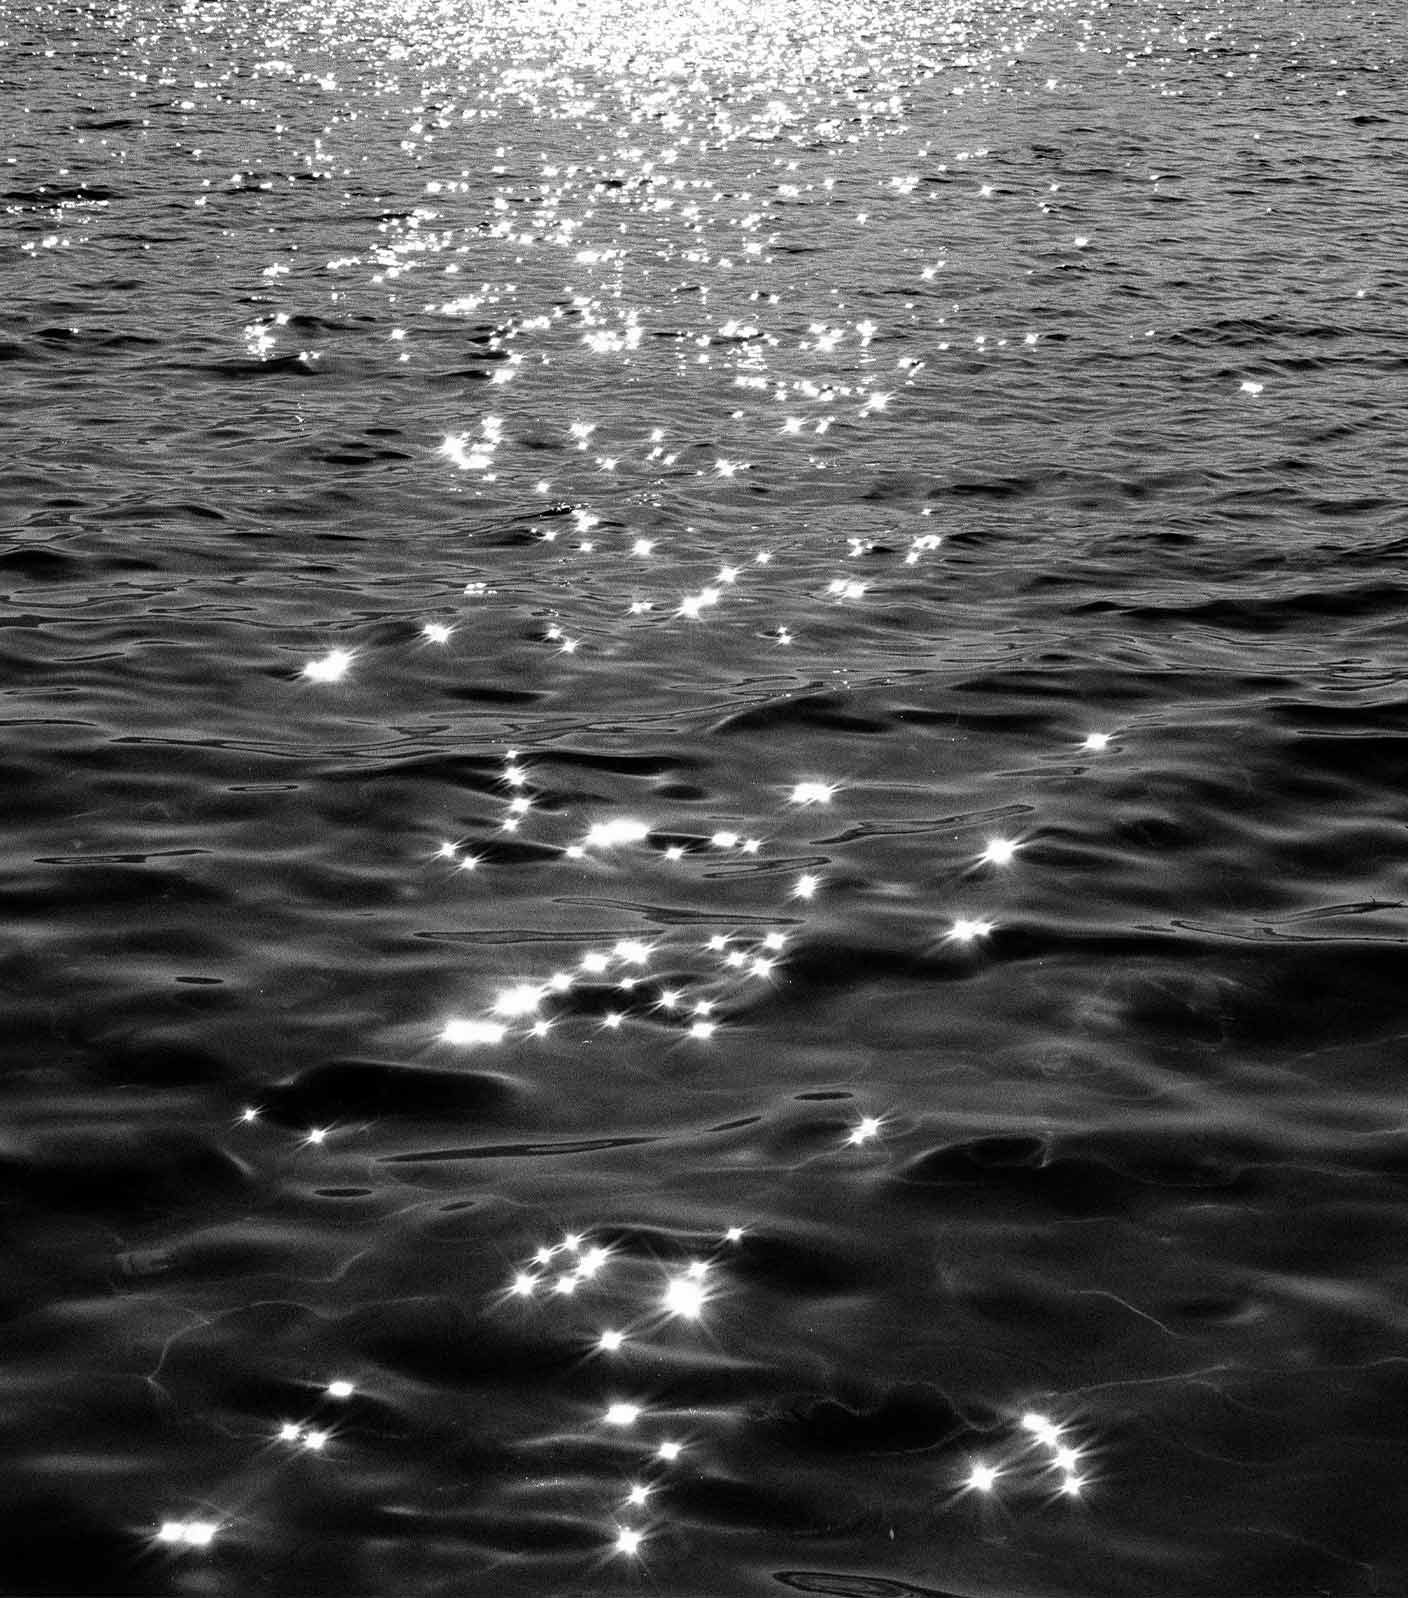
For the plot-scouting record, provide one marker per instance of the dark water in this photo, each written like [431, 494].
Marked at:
[705, 755]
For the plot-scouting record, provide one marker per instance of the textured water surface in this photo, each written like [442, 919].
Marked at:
[704, 739]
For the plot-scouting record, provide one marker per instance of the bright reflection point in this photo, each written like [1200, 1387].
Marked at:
[340, 1389]
[969, 931]
[522, 999]
[622, 1414]
[1042, 1427]
[436, 632]
[628, 1541]
[813, 793]
[684, 1298]
[621, 829]
[609, 1342]
[867, 1128]
[193, 1533]
[999, 852]
[1096, 741]
[592, 1261]
[466, 1032]
[669, 1451]
[331, 668]
[982, 1478]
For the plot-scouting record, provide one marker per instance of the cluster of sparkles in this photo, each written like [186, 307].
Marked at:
[624, 967]
[650, 1298]
[827, 382]
[1040, 1459]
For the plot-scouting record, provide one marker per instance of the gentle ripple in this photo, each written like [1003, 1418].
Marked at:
[705, 753]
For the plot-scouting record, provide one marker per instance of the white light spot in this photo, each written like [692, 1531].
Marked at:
[340, 1389]
[467, 1032]
[609, 1342]
[684, 1298]
[982, 1478]
[1096, 741]
[867, 1128]
[813, 793]
[621, 1414]
[621, 829]
[522, 999]
[1042, 1427]
[669, 1451]
[593, 1259]
[331, 668]
[628, 1541]
[436, 632]
[968, 931]
[999, 852]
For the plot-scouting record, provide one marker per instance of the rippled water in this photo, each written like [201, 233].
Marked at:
[705, 755]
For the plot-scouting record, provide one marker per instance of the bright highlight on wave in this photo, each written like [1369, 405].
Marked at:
[332, 667]
[188, 1533]
[470, 1031]
[621, 829]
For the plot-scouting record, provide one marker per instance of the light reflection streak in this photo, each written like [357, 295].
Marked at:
[823, 383]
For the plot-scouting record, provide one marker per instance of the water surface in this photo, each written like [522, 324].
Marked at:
[704, 745]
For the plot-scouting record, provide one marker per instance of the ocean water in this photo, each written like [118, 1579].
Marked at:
[704, 747]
